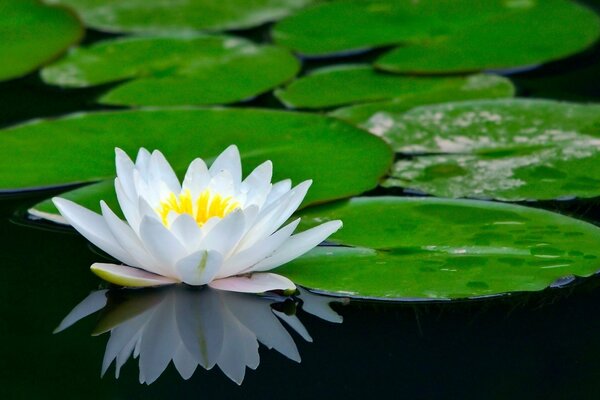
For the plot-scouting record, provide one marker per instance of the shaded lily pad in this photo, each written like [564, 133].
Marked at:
[432, 249]
[443, 36]
[175, 70]
[301, 146]
[181, 15]
[348, 84]
[33, 34]
[505, 149]
[480, 86]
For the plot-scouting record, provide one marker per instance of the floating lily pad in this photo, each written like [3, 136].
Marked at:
[33, 34]
[80, 148]
[480, 86]
[348, 84]
[439, 36]
[432, 249]
[505, 149]
[181, 15]
[175, 70]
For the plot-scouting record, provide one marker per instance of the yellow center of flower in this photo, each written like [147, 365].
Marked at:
[207, 205]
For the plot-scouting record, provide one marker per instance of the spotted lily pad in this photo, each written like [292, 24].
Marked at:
[505, 149]
[175, 70]
[301, 146]
[181, 15]
[440, 36]
[33, 34]
[433, 249]
[348, 84]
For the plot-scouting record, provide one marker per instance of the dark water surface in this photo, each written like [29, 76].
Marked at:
[525, 346]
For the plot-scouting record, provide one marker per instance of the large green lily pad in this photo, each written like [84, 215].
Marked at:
[479, 86]
[175, 70]
[181, 15]
[33, 34]
[80, 148]
[432, 249]
[440, 36]
[348, 84]
[505, 149]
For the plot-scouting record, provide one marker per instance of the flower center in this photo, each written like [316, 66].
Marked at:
[207, 205]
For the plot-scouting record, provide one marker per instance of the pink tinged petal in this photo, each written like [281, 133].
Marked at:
[160, 171]
[277, 190]
[93, 227]
[187, 231]
[95, 301]
[298, 245]
[161, 244]
[196, 178]
[125, 169]
[228, 160]
[255, 283]
[129, 241]
[123, 275]
[244, 260]
[199, 268]
[225, 235]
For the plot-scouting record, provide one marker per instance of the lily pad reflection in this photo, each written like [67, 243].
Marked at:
[194, 328]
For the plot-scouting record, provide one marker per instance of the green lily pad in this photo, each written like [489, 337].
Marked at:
[480, 86]
[440, 36]
[348, 84]
[433, 249]
[80, 148]
[33, 34]
[181, 15]
[175, 70]
[510, 150]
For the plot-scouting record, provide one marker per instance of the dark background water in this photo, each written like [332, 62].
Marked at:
[533, 346]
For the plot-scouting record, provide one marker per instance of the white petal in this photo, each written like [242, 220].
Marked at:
[199, 268]
[244, 260]
[127, 276]
[258, 184]
[95, 301]
[298, 245]
[129, 241]
[225, 235]
[196, 178]
[128, 206]
[125, 169]
[187, 231]
[223, 183]
[160, 171]
[184, 362]
[319, 306]
[142, 161]
[93, 227]
[162, 244]
[228, 160]
[279, 189]
[255, 283]
[295, 324]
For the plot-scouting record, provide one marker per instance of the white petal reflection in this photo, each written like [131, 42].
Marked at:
[194, 327]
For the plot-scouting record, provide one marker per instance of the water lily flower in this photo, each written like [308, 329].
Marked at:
[213, 228]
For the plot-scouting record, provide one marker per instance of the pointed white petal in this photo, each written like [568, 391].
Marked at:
[295, 324]
[298, 245]
[279, 189]
[95, 301]
[319, 306]
[196, 178]
[125, 169]
[228, 160]
[160, 171]
[184, 362]
[142, 161]
[128, 206]
[162, 244]
[200, 267]
[93, 227]
[255, 283]
[129, 241]
[223, 183]
[127, 276]
[225, 235]
[187, 231]
[244, 260]
[257, 185]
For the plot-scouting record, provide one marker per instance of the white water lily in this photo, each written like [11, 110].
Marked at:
[214, 228]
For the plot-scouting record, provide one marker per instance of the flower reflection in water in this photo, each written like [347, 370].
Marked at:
[194, 327]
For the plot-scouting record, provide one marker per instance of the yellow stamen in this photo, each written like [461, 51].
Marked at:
[207, 205]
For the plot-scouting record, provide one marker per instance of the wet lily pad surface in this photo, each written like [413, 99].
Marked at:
[182, 15]
[301, 146]
[443, 36]
[175, 70]
[434, 249]
[348, 84]
[33, 34]
[512, 149]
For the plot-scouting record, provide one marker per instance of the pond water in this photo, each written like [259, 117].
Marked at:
[536, 345]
